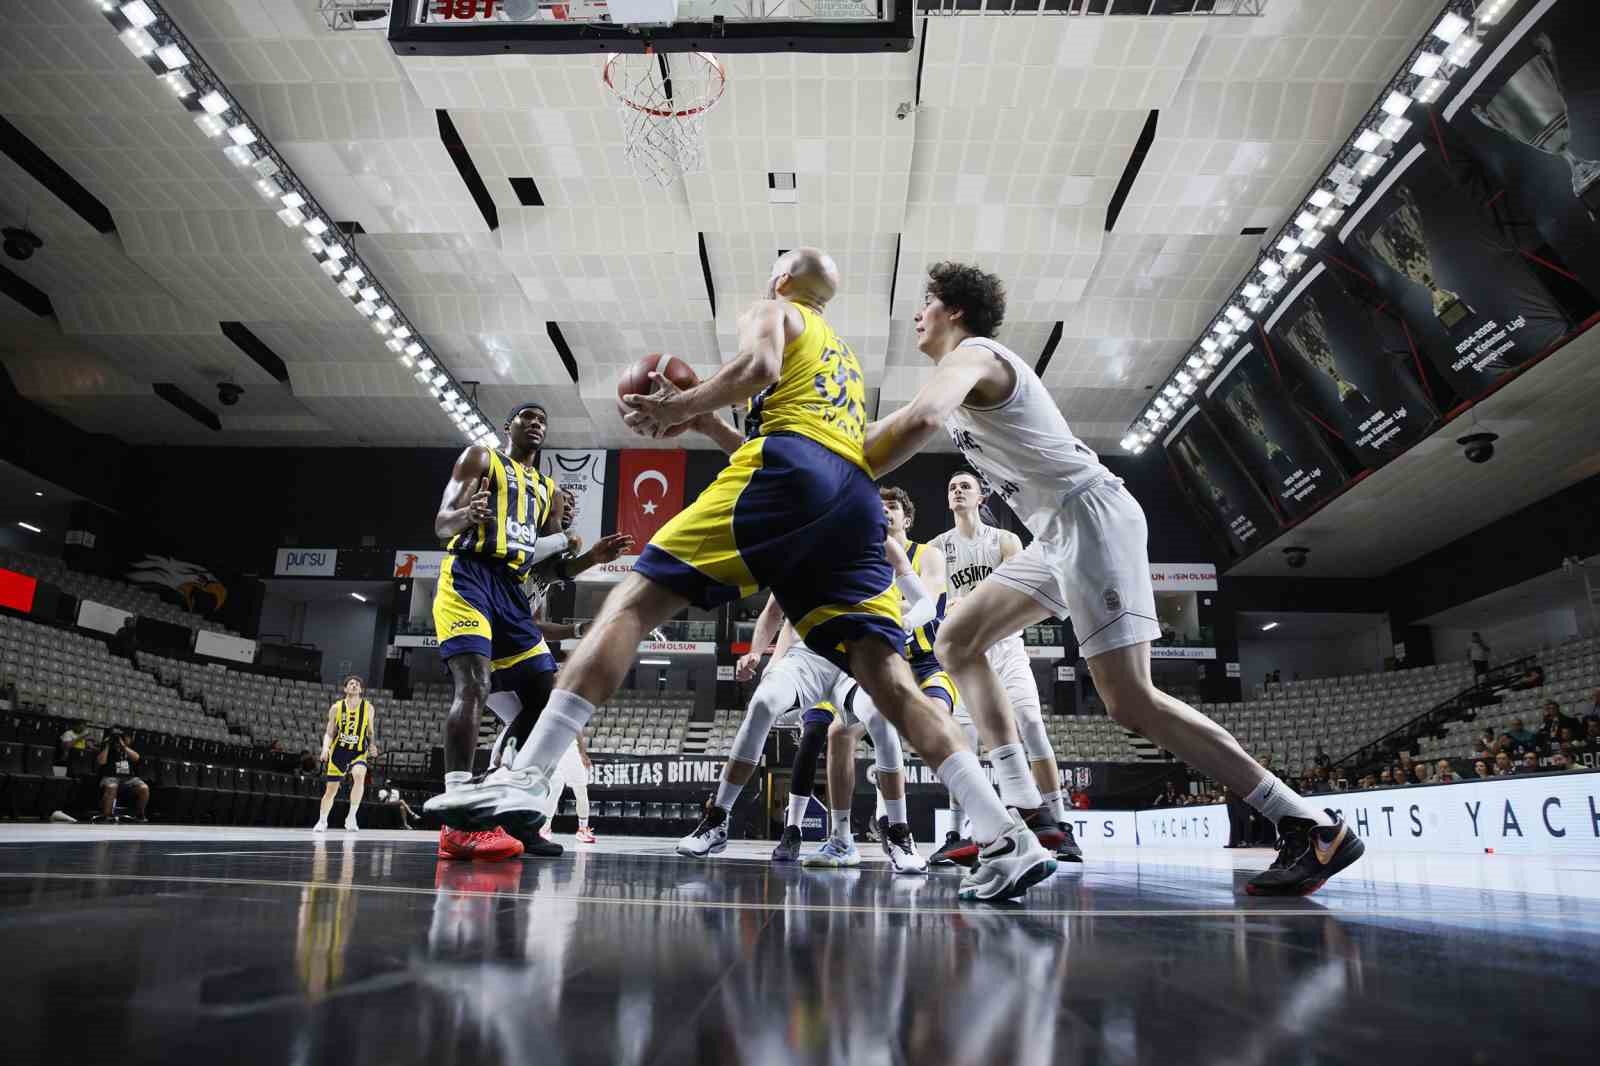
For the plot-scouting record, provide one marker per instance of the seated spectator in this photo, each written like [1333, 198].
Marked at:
[391, 797]
[1321, 780]
[1322, 761]
[1521, 736]
[1481, 769]
[1532, 679]
[1560, 761]
[1487, 743]
[1594, 707]
[1419, 773]
[1170, 797]
[1552, 722]
[308, 762]
[1385, 778]
[277, 747]
[1591, 729]
[116, 763]
[1080, 799]
[1530, 763]
[78, 738]
[1446, 774]
[1502, 764]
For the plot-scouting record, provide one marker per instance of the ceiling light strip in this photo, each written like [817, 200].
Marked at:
[151, 34]
[1451, 44]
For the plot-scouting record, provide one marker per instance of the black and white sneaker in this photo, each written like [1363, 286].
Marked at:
[1308, 854]
[901, 847]
[956, 851]
[709, 837]
[788, 849]
[1008, 867]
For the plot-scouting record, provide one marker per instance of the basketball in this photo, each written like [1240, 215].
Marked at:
[636, 380]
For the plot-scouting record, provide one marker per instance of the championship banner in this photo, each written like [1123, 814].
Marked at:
[1469, 298]
[1241, 517]
[582, 475]
[650, 491]
[1332, 358]
[1279, 448]
[1530, 118]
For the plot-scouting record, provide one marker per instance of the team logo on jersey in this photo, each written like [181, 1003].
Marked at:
[1113, 601]
[964, 440]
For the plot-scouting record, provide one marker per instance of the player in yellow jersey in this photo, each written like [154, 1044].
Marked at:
[351, 736]
[499, 518]
[795, 511]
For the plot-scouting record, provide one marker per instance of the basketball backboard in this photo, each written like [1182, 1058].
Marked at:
[532, 27]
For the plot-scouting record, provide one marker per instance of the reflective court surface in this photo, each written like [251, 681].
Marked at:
[160, 945]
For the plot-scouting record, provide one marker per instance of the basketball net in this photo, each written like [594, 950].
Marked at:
[663, 102]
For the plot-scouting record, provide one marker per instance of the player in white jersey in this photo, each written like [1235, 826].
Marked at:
[973, 550]
[1087, 561]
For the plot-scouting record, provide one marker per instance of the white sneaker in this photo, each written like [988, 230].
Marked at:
[512, 799]
[350, 824]
[709, 837]
[834, 854]
[320, 827]
[901, 847]
[1009, 866]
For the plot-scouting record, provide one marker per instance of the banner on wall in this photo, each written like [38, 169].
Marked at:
[1530, 118]
[582, 475]
[608, 573]
[1183, 577]
[421, 563]
[1279, 448]
[306, 562]
[1339, 371]
[650, 491]
[192, 586]
[1474, 305]
[1241, 517]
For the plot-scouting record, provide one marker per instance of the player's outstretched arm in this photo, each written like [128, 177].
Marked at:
[764, 330]
[767, 624]
[893, 440]
[465, 501]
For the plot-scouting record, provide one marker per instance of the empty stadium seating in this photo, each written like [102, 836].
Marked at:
[118, 594]
[641, 723]
[1571, 675]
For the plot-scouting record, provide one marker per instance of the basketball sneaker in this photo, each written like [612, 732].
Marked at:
[901, 848]
[350, 824]
[512, 799]
[538, 845]
[1068, 850]
[1308, 854]
[1013, 863]
[585, 835]
[1046, 828]
[834, 854]
[788, 849]
[320, 827]
[956, 851]
[493, 846]
[709, 837]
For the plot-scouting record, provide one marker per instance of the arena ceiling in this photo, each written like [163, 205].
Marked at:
[1023, 130]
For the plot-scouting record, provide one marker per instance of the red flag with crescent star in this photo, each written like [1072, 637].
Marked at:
[649, 493]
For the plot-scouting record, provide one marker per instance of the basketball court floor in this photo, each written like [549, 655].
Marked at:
[236, 945]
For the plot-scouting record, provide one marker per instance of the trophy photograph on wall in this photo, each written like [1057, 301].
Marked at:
[1308, 337]
[1401, 242]
[1531, 108]
[1241, 402]
[1197, 469]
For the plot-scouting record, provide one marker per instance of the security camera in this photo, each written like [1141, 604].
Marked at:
[904, 110]
[1479, 446]
[1296, 557]
[228, 393]
[21, 243]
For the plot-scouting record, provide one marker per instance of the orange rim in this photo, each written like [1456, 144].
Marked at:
[712, 61]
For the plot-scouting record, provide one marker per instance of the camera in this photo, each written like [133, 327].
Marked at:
[1296, 557]
[228, 393]
[1479, 446]
[904, 110]
[21, 243]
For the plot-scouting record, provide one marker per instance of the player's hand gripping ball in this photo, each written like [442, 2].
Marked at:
[645, 391]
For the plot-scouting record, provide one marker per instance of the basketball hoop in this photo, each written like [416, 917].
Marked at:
[663, 103]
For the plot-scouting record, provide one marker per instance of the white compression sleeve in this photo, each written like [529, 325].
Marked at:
[919, 607]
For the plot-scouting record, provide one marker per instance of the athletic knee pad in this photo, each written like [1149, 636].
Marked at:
[1036, 740]
[813, 740]
[887, 755]
[768, 702]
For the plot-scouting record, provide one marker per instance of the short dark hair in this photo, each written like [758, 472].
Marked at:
[353, 677]
[965, 473]
[977, 294]
[903, 498]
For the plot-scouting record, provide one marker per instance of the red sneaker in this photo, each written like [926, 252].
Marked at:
[493, 845]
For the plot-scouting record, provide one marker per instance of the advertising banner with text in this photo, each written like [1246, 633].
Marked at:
[1240, 516]
[1275, 443]
[1333, 359]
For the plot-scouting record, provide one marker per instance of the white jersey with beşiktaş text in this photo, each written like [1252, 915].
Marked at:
[1024, 449]
[968, 560]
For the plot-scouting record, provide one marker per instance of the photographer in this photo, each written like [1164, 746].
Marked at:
[116, 762]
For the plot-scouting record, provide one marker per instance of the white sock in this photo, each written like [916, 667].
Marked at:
[896, 810]
[1015, 777]
[557, 730]
[797, 809]
[841, 825]
[963, 775]
[881, 810]
[1276, 800]
[1057, 805]
[456, 779]
[727, 795]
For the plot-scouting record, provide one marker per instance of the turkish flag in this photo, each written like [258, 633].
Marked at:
[651, 491]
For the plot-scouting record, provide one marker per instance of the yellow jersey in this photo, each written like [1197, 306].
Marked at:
[353, 724]
[820, 393]
[520, 498]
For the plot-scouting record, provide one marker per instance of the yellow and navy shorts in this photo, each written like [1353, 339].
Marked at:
[343, 759]
[934, 681]
[790, 515]
[480, 609]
